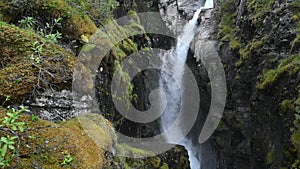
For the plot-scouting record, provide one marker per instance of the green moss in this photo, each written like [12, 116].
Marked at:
[253, 46]
[155, 161]
[79, 24]
[296, 41]
[88, 47]
[116, 38]
[287, 105]
[75, 22]
[45, 143]
[164, 166]
[16, 48]
[132, 13]
[227, 28]
[124, 149]
[126, 166]
[270, 157]
[256, 9]
[295, 8]
[235, 44]
[127, 156]
[98, 10]
[146, 49]
[289, 66]
[228, 31]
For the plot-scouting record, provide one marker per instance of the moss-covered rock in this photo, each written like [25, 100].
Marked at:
[259, 46]
[45, 144]
[175, 158]
[74, 22]
[289, 67]
[30, 63]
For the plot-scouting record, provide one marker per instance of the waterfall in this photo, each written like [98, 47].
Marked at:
[174, 61]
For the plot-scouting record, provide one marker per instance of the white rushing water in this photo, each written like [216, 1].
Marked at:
[174, 61]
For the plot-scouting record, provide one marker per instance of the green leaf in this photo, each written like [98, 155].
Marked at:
[3, 150]
[14, 128]
[10, 142]
[11, 147]
[35, 43]
[4, 139]
[21, 128]
[2, 164]
[7, 98]
[13, 137]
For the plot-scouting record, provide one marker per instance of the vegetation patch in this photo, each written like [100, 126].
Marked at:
[295, 137]
[75, 22]
[295, 8]
[129, 158]
[257, 8]
[44, 144]
[28, 63]
[289, 67]
[227, 30]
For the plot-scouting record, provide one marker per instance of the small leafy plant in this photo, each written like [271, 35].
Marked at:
[67, 159]
[53, 37]
[6, 100]
[48, 32]
[6, 143]
[10, 124]
[37, 50]
[11, 120]
[34, 118]
[27, 22]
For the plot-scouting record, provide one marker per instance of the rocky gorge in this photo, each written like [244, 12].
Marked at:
[256, 43]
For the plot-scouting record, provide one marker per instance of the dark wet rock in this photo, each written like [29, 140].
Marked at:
[188, 7]
[255, 131]
[177, 13]
[175, 158]
[59, 106]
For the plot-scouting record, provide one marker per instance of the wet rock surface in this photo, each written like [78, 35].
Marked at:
[176, 13]
[254, 131]
[59, 106]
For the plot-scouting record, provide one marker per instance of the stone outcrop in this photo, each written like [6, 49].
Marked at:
[257, 49]
[176, 13]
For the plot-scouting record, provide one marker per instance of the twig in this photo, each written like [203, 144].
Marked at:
[53, 76]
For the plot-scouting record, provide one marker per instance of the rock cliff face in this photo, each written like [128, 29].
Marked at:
[259, 48]
[258, 44]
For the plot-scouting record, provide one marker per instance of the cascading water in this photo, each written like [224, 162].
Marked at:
[174, 61]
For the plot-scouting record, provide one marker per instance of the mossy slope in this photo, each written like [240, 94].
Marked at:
[75, 22]
[20, 74]
[44, 144]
